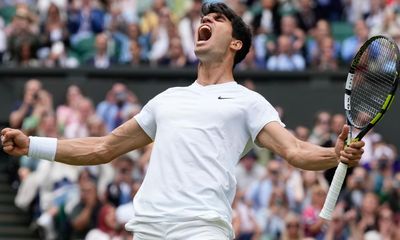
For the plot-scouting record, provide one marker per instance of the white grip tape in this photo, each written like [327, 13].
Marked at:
[347, 99]
[42, 148]
[349, 81]
[334, 190]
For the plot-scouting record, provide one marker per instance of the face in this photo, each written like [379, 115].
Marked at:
[213, 38]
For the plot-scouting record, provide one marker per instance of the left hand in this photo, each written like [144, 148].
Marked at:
[351, 154]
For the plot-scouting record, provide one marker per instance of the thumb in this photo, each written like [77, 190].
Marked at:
[344, 133]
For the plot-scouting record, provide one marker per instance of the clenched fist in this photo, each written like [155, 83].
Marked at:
[15, 142]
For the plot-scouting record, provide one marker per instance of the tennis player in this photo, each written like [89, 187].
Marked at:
[199, 133]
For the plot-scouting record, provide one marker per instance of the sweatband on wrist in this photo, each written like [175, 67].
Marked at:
[42, 148]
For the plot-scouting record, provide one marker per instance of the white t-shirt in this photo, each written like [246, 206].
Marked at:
[199, 134]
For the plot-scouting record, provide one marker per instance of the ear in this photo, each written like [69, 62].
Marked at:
[236, 45]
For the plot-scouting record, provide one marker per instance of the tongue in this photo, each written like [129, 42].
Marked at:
[204, 33]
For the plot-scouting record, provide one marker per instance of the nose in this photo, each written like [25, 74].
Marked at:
[207, 19]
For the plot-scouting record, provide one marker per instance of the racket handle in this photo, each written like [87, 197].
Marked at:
[333, 193]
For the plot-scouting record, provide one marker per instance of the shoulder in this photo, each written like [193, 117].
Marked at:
[170, 92]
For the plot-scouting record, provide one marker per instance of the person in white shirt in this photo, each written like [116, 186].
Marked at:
[199, 133]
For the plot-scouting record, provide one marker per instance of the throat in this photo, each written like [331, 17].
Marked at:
[212, 74]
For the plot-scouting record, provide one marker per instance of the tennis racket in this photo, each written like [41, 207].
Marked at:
[369, 92]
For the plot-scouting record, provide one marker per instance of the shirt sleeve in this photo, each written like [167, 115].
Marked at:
[259, 114]
[147, 120]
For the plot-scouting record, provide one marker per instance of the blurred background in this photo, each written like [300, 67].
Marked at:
[78, 68]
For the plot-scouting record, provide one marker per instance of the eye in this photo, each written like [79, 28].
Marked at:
[219, 18]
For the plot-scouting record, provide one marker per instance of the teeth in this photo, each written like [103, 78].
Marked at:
[204, 33]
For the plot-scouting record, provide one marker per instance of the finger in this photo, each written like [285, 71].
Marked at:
[349, 162]
[4, 130]
[8, 149]
[351, 150]
[359, 144]
[344, 133]
[11, 134]
[8, 143]
[350, 156]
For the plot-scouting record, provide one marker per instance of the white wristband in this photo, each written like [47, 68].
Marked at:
[42, 148]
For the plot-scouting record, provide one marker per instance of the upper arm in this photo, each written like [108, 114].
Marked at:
[278, 139]
[125, 138]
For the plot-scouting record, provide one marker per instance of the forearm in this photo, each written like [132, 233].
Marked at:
[82, 220]
[308, 156]
[17, 116]
[82, 151]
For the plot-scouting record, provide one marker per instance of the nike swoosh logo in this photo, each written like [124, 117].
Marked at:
[224, 98]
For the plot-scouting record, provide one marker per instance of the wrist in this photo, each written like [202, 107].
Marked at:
[42, 148]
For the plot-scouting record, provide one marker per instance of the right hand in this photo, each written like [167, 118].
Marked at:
[15, 142]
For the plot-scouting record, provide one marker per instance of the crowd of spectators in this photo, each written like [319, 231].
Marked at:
[288, 34]
[274, 200]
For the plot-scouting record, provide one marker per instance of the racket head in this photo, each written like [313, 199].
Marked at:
[371, 83]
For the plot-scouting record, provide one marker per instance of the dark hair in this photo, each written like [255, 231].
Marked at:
[240, 30]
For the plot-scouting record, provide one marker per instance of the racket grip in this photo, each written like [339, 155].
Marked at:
[333, 193]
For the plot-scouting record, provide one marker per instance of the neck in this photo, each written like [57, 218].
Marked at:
[214, 73]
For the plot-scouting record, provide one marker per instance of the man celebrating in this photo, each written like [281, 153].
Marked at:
[199, 134]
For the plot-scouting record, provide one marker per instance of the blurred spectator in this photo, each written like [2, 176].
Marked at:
[85, 214]
[319, 34]
[23, 41]
[84, 20]
[302, 133]
[248, 171]
[326, 59]
[248, 227]
[386, 224]
[136, 54]
[268, 19]
[271, 219]
[357, 185]
[293, 227]
[286, 58]
[42, 106]
[79, 127]
[320, 133]
[175, 56]
[68, 113]
[374, 18]
[118, 100]
[260, 192]
[187, 27]
[161, 35]
[356, 9]
[102, 58]
[119, 191]
[107, 225]
[24, 107]
[58, 57]
[366, 219]
[314, 225]
[290, 29]
[53, 28]
[143, 41]
[342, 226]
[351, 45]
[311, 179]
[331, 10]
[306, 15]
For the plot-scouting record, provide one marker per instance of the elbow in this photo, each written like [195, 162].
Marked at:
[292, 158]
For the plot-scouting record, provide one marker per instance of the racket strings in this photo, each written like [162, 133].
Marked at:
[375, 74]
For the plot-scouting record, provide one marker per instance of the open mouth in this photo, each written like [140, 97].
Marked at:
[204, 33]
